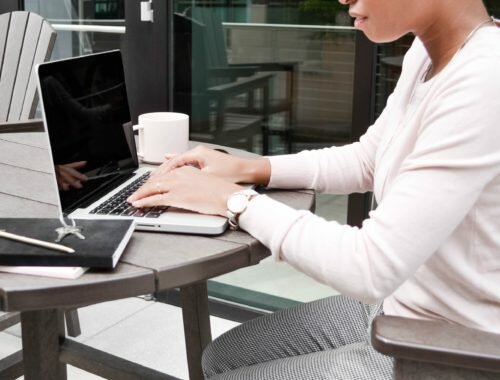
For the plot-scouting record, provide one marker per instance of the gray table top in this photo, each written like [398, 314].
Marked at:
[151, 261]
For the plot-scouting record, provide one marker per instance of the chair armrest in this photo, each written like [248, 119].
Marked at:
[32, 125]
[436, 342]
[241, 86]
[233, 72]
[269, 66]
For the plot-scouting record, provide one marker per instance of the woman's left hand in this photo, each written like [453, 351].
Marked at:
[188, 188]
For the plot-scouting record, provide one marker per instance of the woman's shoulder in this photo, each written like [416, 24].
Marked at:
[478, 61]
[484, 48]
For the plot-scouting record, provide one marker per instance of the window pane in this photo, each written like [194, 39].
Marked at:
[272, 77]
[83, 26]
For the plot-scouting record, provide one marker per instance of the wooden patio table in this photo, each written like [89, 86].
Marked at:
[151, 263]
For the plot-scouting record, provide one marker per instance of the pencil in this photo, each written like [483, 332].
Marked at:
[39, 243]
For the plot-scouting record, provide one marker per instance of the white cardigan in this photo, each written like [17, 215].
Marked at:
[431, 249]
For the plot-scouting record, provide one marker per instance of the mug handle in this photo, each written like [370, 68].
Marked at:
[140, 128]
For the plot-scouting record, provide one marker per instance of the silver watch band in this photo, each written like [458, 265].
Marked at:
[233, 217]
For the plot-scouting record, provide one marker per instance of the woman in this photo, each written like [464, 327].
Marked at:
[429, 250]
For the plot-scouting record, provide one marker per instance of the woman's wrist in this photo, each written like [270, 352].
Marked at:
[224, 196]
[257, 171]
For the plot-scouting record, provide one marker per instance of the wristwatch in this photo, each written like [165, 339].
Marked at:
[237, 204]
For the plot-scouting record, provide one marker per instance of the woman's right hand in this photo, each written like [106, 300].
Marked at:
[68, 175]
[227, 166]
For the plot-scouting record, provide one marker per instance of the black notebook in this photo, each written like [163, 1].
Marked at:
[104, 243]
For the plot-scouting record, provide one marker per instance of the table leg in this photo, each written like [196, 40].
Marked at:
[41, 331]
[196, 325]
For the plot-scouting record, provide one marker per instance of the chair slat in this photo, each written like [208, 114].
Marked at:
[15, 37]
[43, 52]
[4, 26]
[26, 60]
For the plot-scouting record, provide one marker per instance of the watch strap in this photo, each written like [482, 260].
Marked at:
[233, 217]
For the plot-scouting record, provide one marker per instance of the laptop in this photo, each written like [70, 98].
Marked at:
[87, 119]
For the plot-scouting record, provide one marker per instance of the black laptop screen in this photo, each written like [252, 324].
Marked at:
[88, 121]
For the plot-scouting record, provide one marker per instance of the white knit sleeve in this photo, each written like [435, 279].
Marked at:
[439, 180]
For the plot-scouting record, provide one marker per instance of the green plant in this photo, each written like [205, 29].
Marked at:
[323, 11]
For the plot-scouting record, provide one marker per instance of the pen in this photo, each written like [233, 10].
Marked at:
[39, 243]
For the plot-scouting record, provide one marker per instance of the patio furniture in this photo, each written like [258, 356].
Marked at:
[206, 102]
[425, 350]
[221, 71]
[151, 264]
[26, 39]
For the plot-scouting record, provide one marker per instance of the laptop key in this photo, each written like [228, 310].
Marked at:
[129, 212]
[139, 212]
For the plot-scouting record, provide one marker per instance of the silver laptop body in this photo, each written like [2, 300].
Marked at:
[87, 119]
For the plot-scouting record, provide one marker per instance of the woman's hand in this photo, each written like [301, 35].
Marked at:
[188, 188]
[231, 168]
[68, 175]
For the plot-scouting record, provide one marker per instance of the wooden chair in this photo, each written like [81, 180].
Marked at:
[207, 101]
[425, 350]
[221, 71]
[26, 39]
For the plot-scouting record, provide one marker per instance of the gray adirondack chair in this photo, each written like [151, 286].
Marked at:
[25, 40]
[429, 350]
[221, 71]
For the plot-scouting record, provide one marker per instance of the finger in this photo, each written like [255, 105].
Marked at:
[69, 179]
[63, 186]
[75, 174]
[151, 201]
[148, 189]
[188, 158]
[76, 165]
[169, 165]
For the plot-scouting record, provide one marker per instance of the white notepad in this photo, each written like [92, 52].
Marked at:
[57, 272]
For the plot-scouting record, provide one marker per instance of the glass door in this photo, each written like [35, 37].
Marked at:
[83, 26]
[272, 77]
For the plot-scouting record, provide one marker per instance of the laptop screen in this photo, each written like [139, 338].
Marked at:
[87, 117]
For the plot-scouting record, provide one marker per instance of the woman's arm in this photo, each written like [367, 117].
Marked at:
[438, 182]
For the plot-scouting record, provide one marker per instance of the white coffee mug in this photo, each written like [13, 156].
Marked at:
[161, 133]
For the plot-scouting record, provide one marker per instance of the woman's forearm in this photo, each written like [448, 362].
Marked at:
[256, 171]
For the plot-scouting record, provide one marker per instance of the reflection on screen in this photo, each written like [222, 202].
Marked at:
[86, 110]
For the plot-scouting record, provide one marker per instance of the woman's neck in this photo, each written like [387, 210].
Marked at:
[448, 32]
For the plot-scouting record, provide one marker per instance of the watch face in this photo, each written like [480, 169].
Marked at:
[237, 203]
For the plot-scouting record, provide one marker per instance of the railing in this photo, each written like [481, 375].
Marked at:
[83, 26]
[288, 26]
[325, 55]
[90, 28]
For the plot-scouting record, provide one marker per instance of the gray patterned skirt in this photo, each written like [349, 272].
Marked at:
[325, 339]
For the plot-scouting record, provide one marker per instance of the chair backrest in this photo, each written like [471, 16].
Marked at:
[25, 40]
[191, 72]
[213, 35]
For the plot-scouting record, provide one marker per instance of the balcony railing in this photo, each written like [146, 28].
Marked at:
[325, 57]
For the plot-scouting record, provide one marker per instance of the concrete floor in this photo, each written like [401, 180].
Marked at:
[142, 331]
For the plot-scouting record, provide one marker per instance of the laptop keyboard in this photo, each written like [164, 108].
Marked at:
[118, 205]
